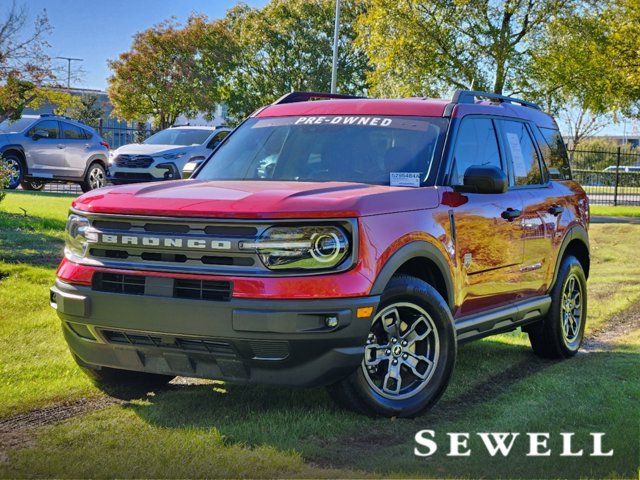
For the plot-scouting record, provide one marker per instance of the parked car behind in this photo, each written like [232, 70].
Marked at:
[623, 168]
[163, 155]
[44, 148]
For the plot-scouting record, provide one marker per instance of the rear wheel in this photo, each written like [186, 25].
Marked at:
[560, 333]
[96, 177]
[33, 185]
[16, 170]
[409, 354]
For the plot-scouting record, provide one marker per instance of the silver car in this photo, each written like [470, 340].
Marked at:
[164, 155]
[45, 148]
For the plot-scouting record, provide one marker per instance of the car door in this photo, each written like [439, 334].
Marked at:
[541, 204]
[488, 246]
[45, 155]
[77, 149]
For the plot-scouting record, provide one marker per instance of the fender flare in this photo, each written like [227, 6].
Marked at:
[576, 232]
[415, 249]
[95, 157]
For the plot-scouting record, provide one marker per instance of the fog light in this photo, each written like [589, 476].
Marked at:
[331, 322]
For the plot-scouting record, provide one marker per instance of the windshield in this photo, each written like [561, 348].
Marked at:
[15, 126]
[365, 149]
[179, 136]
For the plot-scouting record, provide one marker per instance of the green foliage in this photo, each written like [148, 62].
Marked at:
[4, 178]
[286, 46]
[426, 47]
[87, 110]
[171, 70]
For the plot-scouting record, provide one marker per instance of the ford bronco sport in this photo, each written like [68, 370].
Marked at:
[335, 241]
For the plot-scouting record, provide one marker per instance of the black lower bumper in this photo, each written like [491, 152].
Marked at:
[278, 342]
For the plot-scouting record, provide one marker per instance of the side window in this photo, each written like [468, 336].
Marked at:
[49, 126]
[215, 141]
[476, 144]
[555, 154]
[521, 151]
[87, 134]
[72, 132]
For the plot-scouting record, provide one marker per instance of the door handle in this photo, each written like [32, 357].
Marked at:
[511, 214]
[555, 210]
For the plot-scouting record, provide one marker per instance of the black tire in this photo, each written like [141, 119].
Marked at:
[123, 383]
[15, 163]
[96, 177]
[33, 185]
[551, 338]
[360, 392]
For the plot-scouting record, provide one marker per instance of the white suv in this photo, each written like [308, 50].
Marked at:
[163, 155]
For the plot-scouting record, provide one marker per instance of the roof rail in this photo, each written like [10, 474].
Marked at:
[469, 96]
[294, 97]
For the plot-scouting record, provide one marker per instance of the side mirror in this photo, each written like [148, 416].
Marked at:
[485, 180]
[190, 167]
[40, 134]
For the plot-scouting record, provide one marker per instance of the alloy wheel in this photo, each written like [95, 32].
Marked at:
[96, 178]
[571, 311]
[14, 172]
[402, 351]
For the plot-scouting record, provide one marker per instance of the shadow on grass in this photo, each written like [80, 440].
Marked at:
[31, 240]
[308, 420]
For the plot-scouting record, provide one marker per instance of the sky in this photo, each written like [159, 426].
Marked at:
[97, 31]
[100, 30]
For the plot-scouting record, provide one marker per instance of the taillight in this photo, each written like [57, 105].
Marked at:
[104, 144]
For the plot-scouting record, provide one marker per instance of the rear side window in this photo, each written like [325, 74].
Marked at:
[49, 126]
[521, 152]
[87, 134]
[476, 145]
[72, 132]
[554, 153]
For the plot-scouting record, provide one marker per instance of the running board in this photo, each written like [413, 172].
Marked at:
[501, 319]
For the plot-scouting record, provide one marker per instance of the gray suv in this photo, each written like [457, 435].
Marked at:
[45, 148]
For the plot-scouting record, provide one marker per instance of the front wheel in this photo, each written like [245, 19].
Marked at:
[409, 354]
[16, 170]
[560, 333]
[96, 177]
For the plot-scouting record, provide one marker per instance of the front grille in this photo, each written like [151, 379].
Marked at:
[210, 290]
[119, 283]
[133, 161]
[202, 289]
[172, 342]
[269, 350]
[132, 176]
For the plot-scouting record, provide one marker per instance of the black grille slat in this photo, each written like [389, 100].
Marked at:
[133, 161]
[269, 350]
[119, 283]
[166, 228]
[202, 289]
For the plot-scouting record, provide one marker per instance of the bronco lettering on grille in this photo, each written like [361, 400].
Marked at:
[165, 242]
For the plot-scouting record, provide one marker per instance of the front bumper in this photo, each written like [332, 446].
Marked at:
[278, 342]
[124, 175]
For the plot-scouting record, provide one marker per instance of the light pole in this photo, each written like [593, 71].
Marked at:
[69, 60]
[336, 30]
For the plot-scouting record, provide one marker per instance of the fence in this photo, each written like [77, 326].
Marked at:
[610, 177]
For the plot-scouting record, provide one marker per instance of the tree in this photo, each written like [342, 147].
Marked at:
[87, 110]
[426, 47]
[287, 45]
[25, 71]
[170, 71]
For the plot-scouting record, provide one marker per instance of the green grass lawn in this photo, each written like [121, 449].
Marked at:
[611, 211]
[218, 430]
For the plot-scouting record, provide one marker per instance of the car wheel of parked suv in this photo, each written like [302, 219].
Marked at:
[409, 355]
[114, 381]
[560, 333]
[16, 168]
[95, 177]
[33, 185]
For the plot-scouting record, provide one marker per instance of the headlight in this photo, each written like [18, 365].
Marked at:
[306, 248]
[78, 236]
[173, 156]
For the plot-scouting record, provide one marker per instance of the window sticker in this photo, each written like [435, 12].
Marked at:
[520, 168]
[404, 179]
[347, 120]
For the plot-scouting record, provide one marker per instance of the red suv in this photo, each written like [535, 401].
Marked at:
[335, 241]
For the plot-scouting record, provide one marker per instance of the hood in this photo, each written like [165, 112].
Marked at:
[144, 149]
[256, 199]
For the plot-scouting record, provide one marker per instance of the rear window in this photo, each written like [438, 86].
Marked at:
[554, 154]
[366, 149]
